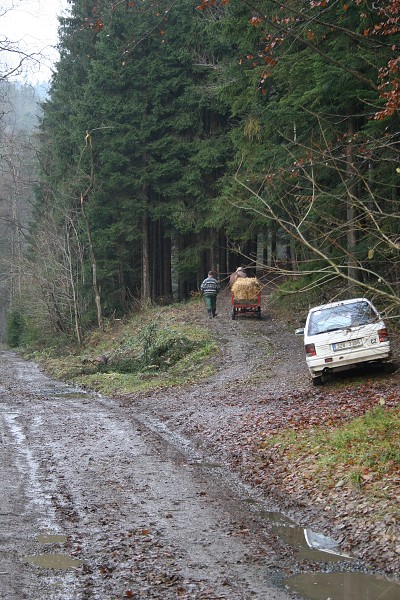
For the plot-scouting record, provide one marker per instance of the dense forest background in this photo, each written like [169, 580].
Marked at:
[185, 135]
[19, 114]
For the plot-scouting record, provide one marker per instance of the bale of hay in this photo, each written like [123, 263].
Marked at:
[246, 288]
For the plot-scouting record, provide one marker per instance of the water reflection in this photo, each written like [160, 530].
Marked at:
[275, 517]
[294, 536]
[53, 561]
[48, 538]
[343, 586]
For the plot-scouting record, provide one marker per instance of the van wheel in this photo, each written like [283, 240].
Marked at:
[233, 314]
[317, 380]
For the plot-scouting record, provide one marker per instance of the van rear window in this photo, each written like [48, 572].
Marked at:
[342, 316]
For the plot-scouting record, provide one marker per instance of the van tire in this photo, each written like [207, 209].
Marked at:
[317, 380]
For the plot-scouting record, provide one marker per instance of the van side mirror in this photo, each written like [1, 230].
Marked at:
[299, 331]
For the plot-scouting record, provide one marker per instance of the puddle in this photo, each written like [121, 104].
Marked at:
[321, 542]
[294, 536]
[207, 465]
[251, 501]
[72, 395]
[275, 517]
[343, 586]
[51, 539]
[53, 561]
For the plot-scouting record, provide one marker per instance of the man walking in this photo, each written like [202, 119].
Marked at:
[210, 289]
[240, 272]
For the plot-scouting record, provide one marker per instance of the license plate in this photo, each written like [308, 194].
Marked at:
[348, 344]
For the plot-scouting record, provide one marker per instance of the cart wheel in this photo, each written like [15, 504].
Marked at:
[259, 313]
[233, 314]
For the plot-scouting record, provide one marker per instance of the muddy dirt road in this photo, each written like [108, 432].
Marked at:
[96, 505]
[132, 497]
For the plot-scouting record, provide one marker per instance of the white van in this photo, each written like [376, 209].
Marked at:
[341, 335]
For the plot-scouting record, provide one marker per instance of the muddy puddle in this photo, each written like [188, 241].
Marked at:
[50, 538]
[56, 561]
[296, 538]
[207, 465]
[316, 547]
[343, 586]
[276, 517]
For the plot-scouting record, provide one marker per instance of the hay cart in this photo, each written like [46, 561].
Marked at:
[244, 306]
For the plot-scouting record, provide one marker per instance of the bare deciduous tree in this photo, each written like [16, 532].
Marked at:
[349, 231]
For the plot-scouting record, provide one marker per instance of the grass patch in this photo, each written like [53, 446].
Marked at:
[364, 451]
[370, 441]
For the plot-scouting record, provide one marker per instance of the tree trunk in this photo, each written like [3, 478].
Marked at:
[293, 255]
[95, 286]
[214, 265]
[145, 291]
[271, 252]
[222, 254]
[166, 281]
[74, 292]
[155, 248]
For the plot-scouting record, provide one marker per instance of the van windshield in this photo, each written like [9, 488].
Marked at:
[342, 316]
